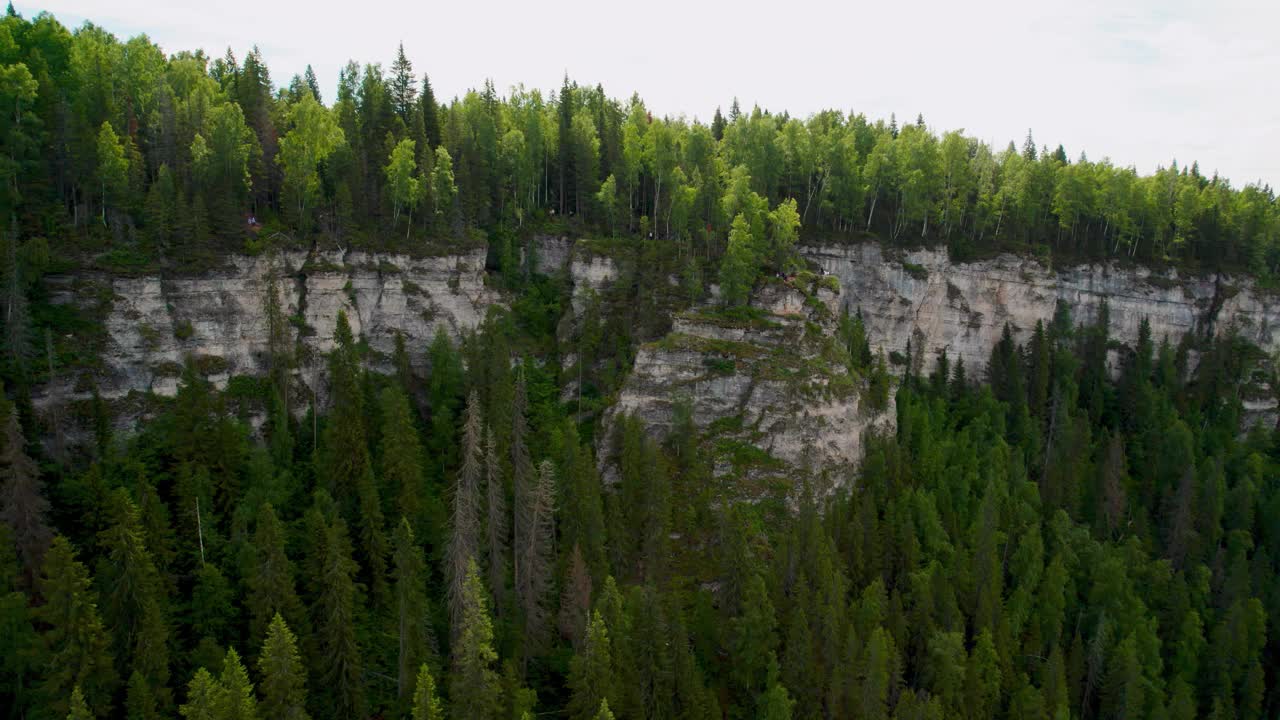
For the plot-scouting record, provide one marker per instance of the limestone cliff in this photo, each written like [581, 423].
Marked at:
[221, 318]
[963, 307]
[766, 384]
[789, 407]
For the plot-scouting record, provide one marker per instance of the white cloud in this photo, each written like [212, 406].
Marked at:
[1141, 82]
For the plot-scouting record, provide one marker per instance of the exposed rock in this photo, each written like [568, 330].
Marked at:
[222, 317]
[767, 386]
[963, 307]
[152, 324]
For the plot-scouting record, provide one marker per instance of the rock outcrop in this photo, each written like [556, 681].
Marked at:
[763, 382]
[223, 318]
[766, 385]
[963, 307]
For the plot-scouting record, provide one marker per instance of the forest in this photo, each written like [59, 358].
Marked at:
[1042, 539]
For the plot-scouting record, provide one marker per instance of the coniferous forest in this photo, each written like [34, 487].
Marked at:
[1054, 537]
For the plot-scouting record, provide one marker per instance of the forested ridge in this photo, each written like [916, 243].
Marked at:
[1042, 539]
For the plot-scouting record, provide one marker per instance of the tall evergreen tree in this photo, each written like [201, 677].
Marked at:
[340, 662]
[591, 674]
[23, 506]
[401, 456]
[133, 601]
[76, 644]
[403, 86]
[271, 580]
[497, 526]
[464, 539]
[283, 679]
[412, 616]
[535, 558]
[236, 700]
[426, 704]
[473, 690]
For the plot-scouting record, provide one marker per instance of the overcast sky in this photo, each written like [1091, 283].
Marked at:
[1142, 82]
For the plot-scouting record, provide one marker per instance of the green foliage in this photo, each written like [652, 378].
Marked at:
[1036, 538]
[282, 684]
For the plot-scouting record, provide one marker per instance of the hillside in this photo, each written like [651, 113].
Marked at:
[534, 405]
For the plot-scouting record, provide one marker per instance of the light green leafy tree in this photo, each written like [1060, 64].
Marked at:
[313, 138]
[401, 183]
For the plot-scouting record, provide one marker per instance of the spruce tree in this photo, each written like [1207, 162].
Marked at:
[497, 525]
[23, 506]
[774, 702]
[235, 699]
[430, 113]
[522, 487]
[79, 709]
[340, 662]
[271, 579]
[132, 603]
[753, 641]
[575, 599]
[591, 673]
[347, 464]
[204, 695]
[140, 702]
[403, 86]
[473, 690]
[75, 641]
[412, 611]
[426, 703]
[283, 678]
[401, 456]
[464, 540]
[537, 555]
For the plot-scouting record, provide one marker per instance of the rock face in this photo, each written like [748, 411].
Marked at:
[963, 307]
[222, 318]
[767, 387]
[762, 383]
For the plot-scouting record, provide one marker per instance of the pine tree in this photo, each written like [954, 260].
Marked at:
[474, 686]
[412, 611]
[236, 700]
[271, 579]
[464, 540]
[23, 506]
[603, 713]
[426, 704]
[76, 643]
[283, 679]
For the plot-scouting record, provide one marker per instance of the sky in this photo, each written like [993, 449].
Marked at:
[1142, 82]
